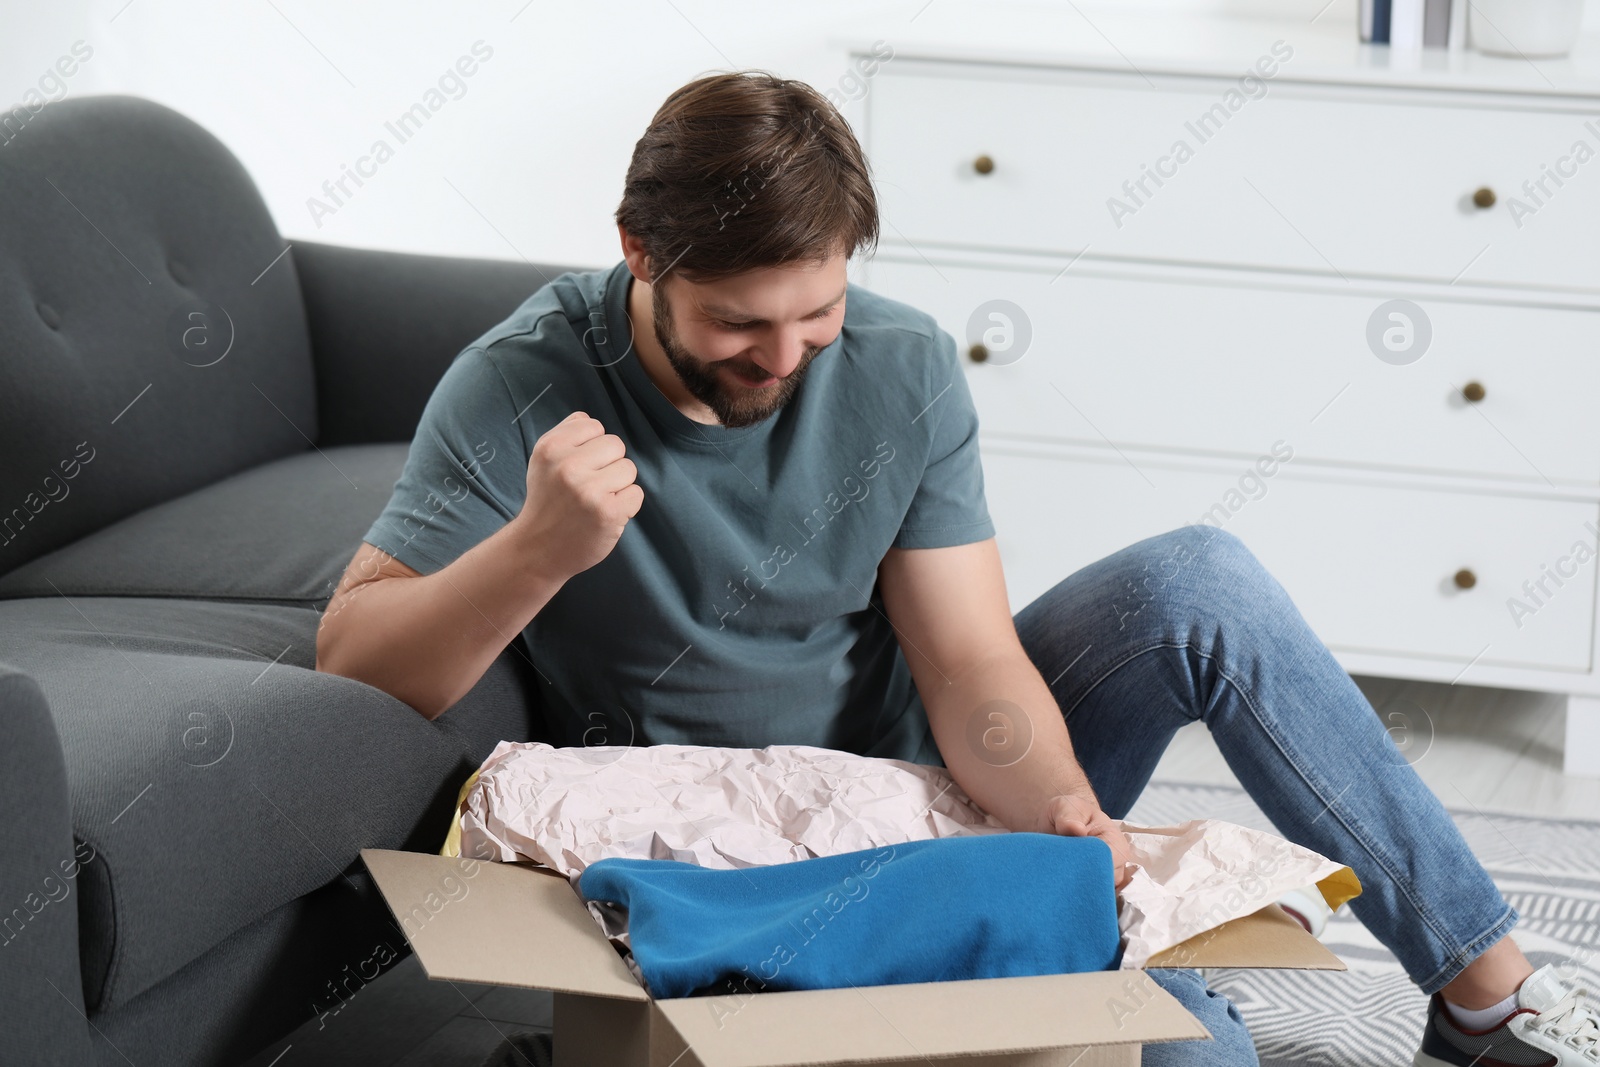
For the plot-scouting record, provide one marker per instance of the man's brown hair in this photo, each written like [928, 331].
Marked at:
[747, 170]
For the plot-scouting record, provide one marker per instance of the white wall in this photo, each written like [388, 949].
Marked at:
[528, 160]
[537, 142]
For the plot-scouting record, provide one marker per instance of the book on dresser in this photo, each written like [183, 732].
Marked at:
[1432, 24]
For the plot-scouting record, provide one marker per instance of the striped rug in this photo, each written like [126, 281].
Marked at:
[1372, 1016]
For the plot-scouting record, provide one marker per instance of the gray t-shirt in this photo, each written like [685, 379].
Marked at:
[735, 608]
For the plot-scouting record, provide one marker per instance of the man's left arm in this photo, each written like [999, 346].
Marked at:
[949, 610]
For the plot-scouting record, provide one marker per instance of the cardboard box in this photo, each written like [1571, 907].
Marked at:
[519, 925]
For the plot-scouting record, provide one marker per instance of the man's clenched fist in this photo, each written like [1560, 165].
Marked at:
[581, 494]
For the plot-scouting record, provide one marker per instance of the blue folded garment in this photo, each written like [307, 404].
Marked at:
[988, 906]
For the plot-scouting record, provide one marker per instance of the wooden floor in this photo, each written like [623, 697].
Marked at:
[1489, 749]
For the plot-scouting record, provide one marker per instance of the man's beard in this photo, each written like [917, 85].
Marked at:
[744, 408]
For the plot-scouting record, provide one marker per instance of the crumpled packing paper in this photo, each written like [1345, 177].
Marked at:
[1192, 878]
[565, 808]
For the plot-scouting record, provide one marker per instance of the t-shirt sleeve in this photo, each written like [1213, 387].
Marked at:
[949, 507]
[465, 475]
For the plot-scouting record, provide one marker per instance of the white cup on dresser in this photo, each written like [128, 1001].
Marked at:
[1529, 29]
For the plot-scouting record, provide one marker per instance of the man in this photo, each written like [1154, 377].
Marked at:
[729, 499]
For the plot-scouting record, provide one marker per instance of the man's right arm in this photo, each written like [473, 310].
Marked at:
[428, 639]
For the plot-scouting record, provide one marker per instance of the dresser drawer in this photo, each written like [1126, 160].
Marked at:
[1343, 182]
[1202, 366]
[1371, 567]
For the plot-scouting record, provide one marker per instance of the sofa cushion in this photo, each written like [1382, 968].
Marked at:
[217, 776]
[282, 531]
[120, 221]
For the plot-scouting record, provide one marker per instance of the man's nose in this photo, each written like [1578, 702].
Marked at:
[784, 353]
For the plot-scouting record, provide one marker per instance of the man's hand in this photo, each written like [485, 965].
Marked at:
[1072, 816]
[581, 494]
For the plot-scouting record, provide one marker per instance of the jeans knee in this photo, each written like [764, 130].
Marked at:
[1192, 568]
[1226, 557]
[1188, 584]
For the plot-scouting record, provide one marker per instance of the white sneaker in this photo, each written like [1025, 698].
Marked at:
[1307, 907]
[1552, 1026]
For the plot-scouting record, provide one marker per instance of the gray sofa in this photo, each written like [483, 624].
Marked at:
[195, 433]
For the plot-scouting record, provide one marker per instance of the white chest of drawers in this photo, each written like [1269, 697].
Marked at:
[1169, 250]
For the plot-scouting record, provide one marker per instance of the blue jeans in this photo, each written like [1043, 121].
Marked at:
[1188, 625]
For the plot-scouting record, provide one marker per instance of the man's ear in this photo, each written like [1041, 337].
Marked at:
[633, 252]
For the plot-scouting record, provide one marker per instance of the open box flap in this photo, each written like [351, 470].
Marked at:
[498, 924]
[1268, 938]
[929, 1020]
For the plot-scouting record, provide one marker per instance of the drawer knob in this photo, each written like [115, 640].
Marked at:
[1474, 392]
[978, 353]
[983, 165]
[1484, 197]
[1465, 579]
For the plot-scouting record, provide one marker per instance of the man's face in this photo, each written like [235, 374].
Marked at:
[742, 345]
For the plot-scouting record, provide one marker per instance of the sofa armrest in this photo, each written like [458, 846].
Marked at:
[385, 325]
[40, 980]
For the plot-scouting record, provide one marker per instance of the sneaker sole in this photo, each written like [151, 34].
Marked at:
[1422, 1059]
